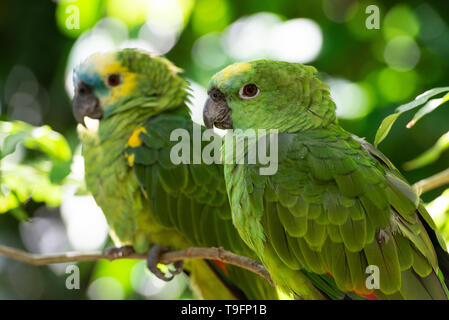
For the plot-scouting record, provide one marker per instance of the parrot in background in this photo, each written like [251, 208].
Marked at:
[336, 205]
[138, 100]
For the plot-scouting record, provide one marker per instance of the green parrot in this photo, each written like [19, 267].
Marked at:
[127, 103]
[336, 205]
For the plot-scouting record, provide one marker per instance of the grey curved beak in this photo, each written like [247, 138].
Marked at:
[216, 111]
[209, 114]
[85, 104]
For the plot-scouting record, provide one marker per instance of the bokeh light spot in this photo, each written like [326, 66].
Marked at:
[340, 10]
[166, 14]
[105, 288]
[296, 40]
[133, 13]
[396, 86]
[264, 35]
[247, 38]
[158, 38]
[86, 225]
[210, 16]
[351, 99]
[89, 12]
[400, 21]
[208, 53]
[402, 53]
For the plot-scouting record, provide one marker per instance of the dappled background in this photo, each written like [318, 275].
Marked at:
[47, 210]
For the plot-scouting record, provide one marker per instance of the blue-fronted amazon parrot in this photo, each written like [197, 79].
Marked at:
[139, 99]
[336, 205]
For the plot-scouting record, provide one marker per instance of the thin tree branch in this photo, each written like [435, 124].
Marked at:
[168, 257]
[432, 182]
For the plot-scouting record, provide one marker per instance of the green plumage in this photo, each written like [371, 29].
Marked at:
[335, 205]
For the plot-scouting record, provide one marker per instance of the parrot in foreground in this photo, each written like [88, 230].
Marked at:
[336, 205]
[138, 99]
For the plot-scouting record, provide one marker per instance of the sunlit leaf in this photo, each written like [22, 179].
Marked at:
[421, 99]
[8, 201]
[22, 182]
[430, 106]
[388, 122]
[439, 210]
[38, 138]
[10, 143]
[430, 155]
[59, 171]
[446, 97]
[385, 128]
[19, 214]
[50, 142]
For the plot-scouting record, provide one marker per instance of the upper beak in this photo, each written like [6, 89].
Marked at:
[85, 104]
[216, 111]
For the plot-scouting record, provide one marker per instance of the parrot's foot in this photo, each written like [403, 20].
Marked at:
[118, 252]
[153, 260]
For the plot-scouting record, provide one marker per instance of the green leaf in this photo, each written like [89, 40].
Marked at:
[385, 127]
[446, 97]
[39, 138]
[430, 106]
[49, 142]
[59, 171]
[19, 214]
[421, 99]
[388, 122]
[8, 201]
[10, 143]
[430, 155]
[439, 211]
[22, 182]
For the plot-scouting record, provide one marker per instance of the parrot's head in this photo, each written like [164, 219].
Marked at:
[129, 80]
[266, 94]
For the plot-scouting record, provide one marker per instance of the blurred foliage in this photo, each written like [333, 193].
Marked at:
[429, 106]
[39, 138]
[439, 207]
[371, 72]
[38, 179]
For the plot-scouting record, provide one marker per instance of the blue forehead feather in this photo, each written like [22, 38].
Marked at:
[92, 79]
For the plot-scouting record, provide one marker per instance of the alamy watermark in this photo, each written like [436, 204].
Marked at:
[373, 280]
[240, 146]
[73, 19]
[373, 20]
[72, 282]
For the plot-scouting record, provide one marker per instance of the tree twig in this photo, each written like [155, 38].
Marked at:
[168, 257]
[432, 182]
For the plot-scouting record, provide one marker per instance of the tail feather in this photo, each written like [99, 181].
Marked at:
[243, 284]
[207, 283]
[415, 287]
[442, 255]
[219, 269]
[443, 263]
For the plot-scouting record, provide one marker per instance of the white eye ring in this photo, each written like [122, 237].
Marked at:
[247, 91]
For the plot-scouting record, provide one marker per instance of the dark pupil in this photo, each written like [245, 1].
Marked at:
[113, 80]
[250, 89]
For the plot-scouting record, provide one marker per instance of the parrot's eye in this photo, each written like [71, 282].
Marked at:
[114, 80]
[249, 91]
